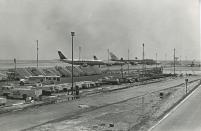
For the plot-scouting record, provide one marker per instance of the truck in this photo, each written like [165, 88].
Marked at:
[66, 86]
[58, 88]
[40, 79]
[3, 101]
[24, 93]
[47, 89]
[5, 90]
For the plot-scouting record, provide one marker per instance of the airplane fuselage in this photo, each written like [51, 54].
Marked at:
[84, 62]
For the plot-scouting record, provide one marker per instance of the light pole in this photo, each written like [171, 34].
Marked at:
[174, 61]
[37, 52]
[156, 59]
[165, 59]
[108, 57]
[128, 61]
[80, 51]
[72, 34]
[15, 69]
[143, 62]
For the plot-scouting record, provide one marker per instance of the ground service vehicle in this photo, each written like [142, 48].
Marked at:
[66, 87]
[23, 93]
[3, 101]
[47, 89]
[5, 90]
[58, 88]
[87, 84]
[109, 80]
[40, 79]
[126, 80]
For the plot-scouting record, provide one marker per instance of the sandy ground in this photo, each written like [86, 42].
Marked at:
[135, 113]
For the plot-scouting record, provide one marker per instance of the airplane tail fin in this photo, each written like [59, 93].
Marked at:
[113, 56]
[95, 58]
[61, 55]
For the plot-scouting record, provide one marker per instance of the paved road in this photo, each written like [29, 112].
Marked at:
[34, 116]
[187, 117]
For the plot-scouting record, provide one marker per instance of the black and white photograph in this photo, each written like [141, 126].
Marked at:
[100, 65]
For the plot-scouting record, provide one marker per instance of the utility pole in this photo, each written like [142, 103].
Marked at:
[128, 61]
[37, 52]
[72, 34]
[174, 61]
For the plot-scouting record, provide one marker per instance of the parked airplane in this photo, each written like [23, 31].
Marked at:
[132, 62]
[115, 58]
[110, 63]
[80, 62]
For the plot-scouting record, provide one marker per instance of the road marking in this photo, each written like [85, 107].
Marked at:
[177, 106]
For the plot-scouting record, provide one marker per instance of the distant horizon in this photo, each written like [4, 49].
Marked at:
[80, 59]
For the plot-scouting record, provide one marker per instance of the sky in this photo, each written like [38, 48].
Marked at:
[117, 25]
